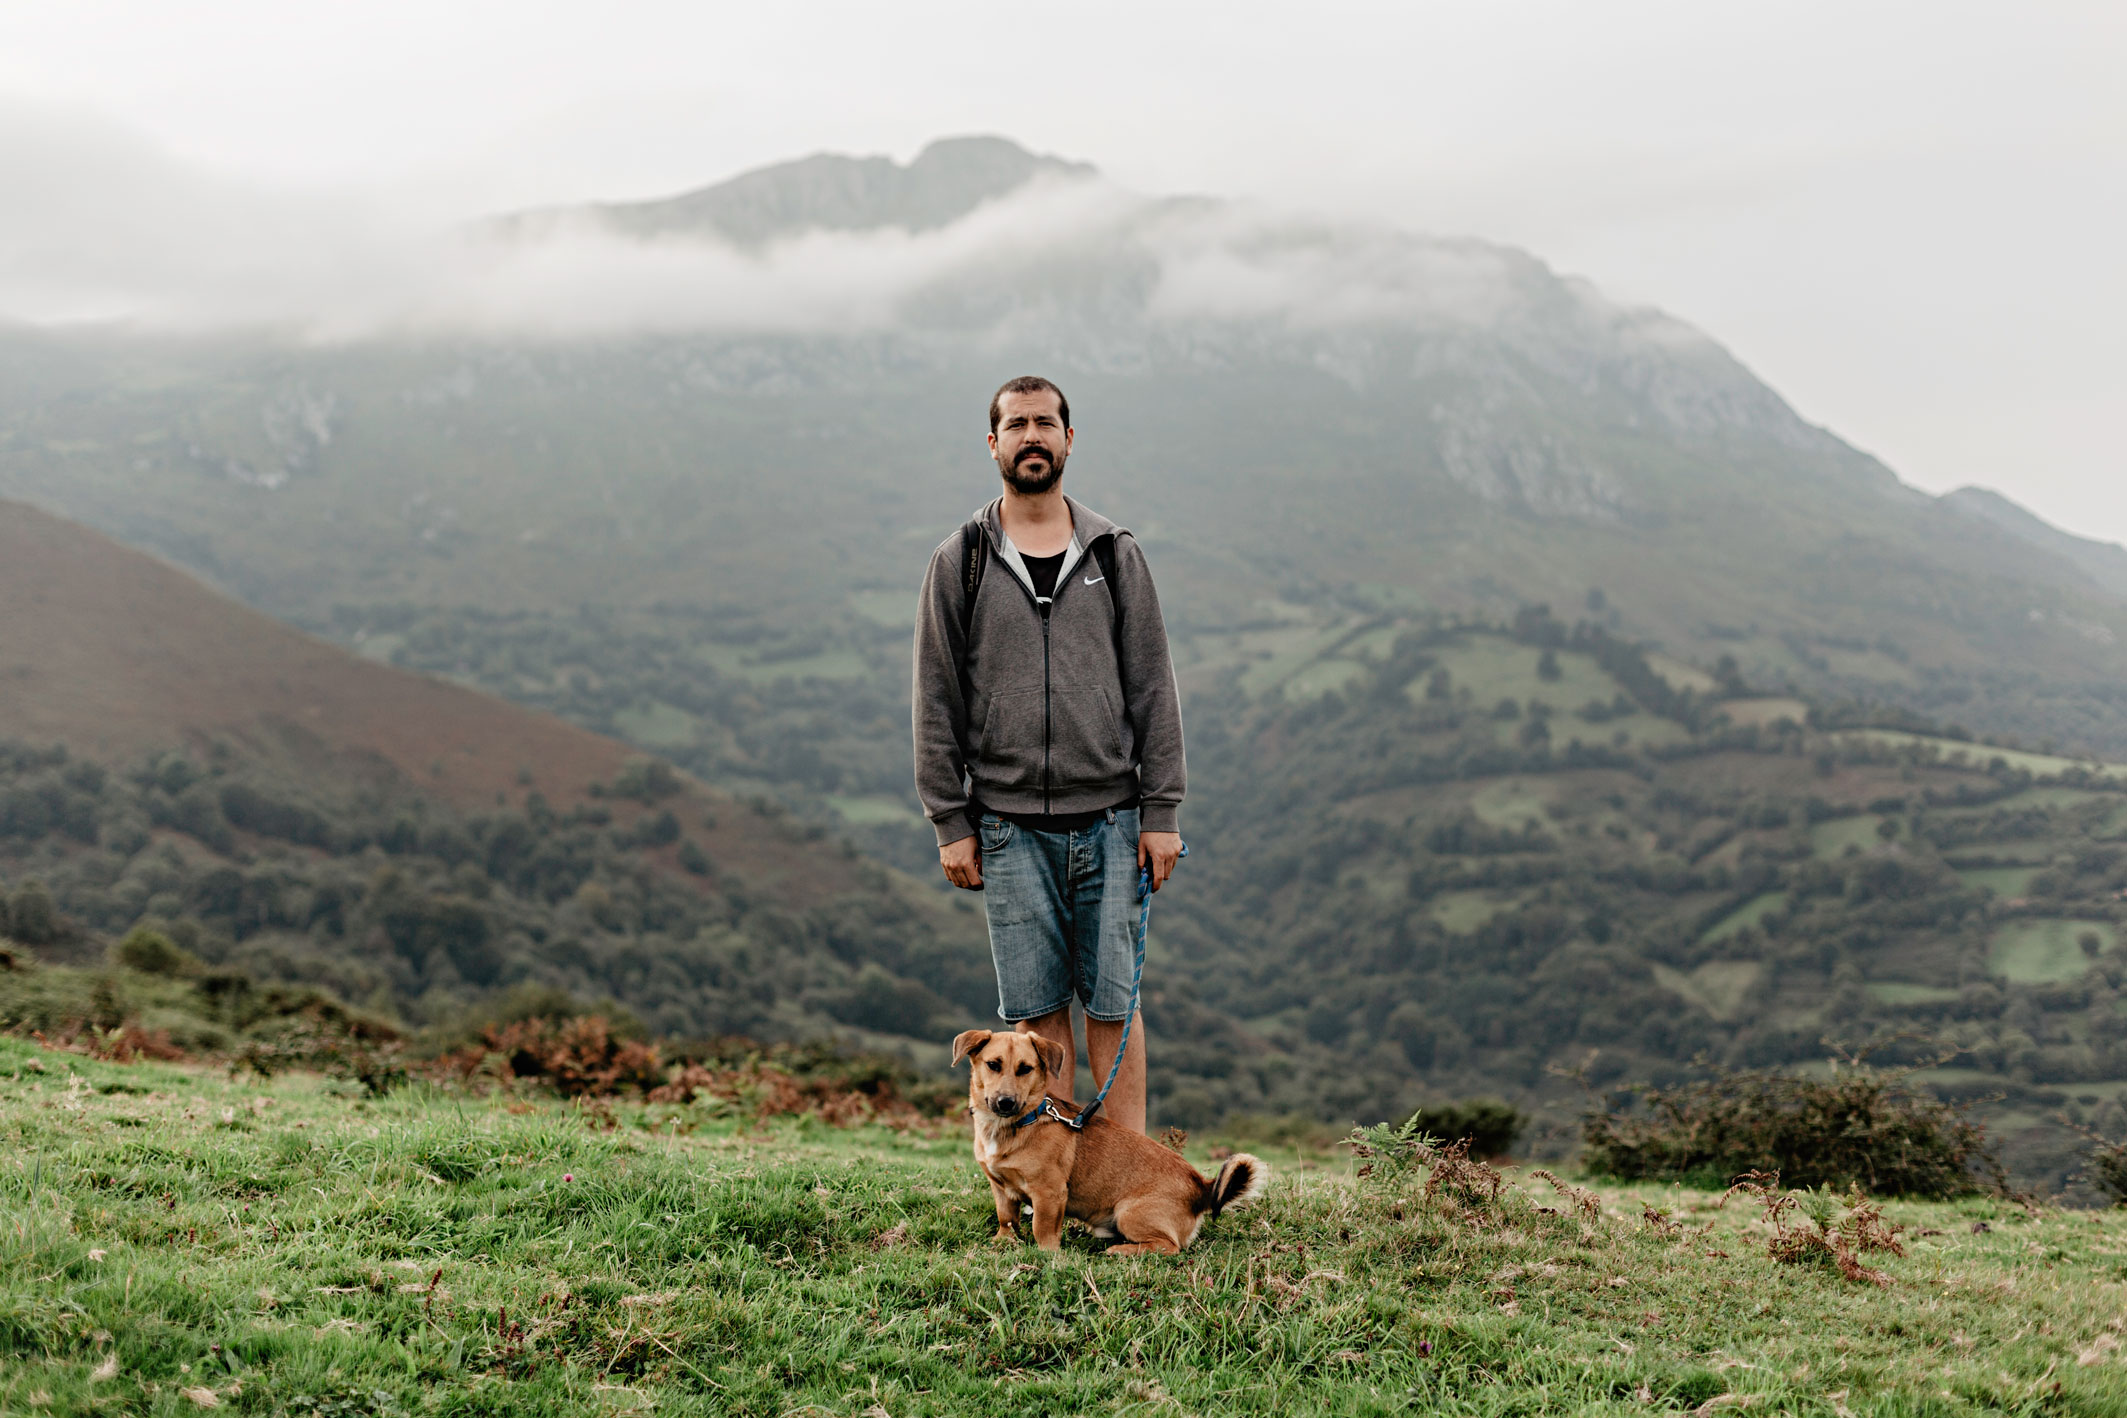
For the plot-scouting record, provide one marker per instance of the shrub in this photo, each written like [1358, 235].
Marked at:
[1857, 1127]
[1488, 1125]
[150, 952]
[1839, 1230]
[31, 916]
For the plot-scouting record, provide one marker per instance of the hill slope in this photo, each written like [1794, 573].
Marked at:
[168, 754]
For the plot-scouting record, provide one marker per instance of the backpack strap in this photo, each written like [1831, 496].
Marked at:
[974, 560]
[1104, 557]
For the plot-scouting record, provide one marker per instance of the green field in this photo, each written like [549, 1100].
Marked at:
[2039, 952]
[867, 811]
[656, 724]
[1460, 912]
[1749, 914]
[2006, 882]
[178, 1240]
[1979, 755]
[1833, 838]
[1897, 992]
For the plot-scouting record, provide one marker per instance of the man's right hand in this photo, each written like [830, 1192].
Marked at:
[962, 861]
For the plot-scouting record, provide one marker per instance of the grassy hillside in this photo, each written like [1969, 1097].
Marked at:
[180, 1240]
[168, 755]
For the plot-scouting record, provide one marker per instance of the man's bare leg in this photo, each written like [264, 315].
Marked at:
[1057, 1025]
[1125, 1105]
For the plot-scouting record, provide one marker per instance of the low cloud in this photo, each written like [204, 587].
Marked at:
[108, 229]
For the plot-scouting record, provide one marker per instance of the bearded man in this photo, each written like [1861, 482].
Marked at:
[1049, 740]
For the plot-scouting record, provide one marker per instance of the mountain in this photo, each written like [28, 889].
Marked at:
[825, 192]
[2105, 563]
[1551, 684]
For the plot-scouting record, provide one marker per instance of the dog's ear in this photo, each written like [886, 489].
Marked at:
[969, 1041]
[1052, 1055]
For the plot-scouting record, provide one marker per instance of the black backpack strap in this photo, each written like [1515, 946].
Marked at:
[1104, 557]
[974, 560]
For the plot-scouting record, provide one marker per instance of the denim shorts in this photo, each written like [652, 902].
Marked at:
[1063, 915]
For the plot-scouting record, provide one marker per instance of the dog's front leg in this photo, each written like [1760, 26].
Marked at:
[1049, 1220]
[1007, 1212]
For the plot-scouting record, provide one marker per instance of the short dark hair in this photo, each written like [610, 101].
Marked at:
[1028, 384]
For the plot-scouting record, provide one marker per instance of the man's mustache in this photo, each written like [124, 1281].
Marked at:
[1032, 450]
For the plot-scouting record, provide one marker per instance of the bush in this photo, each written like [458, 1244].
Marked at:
[150, 952]
[1856, 1128]
[1489, 1126]
[32, 918]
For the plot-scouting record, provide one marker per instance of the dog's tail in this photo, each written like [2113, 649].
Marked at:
[1240, 1181]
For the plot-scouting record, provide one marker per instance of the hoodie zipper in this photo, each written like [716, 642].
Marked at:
[1047, 709]
[1046, 731]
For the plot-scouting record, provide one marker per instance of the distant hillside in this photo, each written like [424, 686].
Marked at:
[166, 753]
[119, 655]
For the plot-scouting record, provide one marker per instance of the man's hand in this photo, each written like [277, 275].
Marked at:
[1159, 851]
[962, 861]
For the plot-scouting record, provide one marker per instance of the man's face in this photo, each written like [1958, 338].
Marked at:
[1031, 443]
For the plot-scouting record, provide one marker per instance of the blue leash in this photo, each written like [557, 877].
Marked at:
[1045, 1108]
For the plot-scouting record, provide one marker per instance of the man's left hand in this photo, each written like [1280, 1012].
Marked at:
[1159, 851]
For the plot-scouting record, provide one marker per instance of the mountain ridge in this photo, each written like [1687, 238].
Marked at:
[825, 191]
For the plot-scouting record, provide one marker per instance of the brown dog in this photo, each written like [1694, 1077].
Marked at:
[1120, 1182]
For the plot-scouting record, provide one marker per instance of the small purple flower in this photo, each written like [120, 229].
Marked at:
[568, 1176]
[1425, 1348]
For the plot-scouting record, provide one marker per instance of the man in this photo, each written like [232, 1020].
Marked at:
[1049, 739]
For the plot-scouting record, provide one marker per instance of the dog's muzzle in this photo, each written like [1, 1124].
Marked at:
[1005, 1107]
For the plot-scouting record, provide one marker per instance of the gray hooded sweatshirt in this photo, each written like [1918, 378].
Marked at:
[1066, 713]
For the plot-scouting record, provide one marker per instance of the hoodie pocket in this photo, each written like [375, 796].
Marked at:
[1085, 738]
[1012, 740]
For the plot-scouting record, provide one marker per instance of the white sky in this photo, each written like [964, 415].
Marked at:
[1909, 218]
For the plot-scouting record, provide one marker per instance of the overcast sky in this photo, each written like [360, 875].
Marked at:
[1909, 218]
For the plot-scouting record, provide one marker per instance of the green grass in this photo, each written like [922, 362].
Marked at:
[656, 725]
[892, 608]
[1979, 755]
[828, 664]
[2006, 882]
[1749, 914]
[1831, 839]
[1718, 986]
[2042, 952]
[868, 811]
[1461, 912]
[1897, 992]
[290, 1250]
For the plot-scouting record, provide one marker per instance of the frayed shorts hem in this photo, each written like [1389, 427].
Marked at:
[1014, 1018]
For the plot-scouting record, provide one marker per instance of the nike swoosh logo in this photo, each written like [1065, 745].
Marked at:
[1095, 580]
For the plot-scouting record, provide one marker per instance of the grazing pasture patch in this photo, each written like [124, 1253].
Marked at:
[1750, 913]
[2006, 882]
[2046, 951]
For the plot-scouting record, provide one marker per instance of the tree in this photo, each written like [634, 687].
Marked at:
[31, 916]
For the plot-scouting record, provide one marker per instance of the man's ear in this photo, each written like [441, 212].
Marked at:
[1052, 1055]
[970, 1041]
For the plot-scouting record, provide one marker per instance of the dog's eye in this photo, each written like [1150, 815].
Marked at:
[1024, 1068]
[996, 1066]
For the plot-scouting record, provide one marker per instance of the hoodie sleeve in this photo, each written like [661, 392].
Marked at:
[1150, 698]
[938, 706]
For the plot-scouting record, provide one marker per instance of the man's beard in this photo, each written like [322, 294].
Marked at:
[1033, 484]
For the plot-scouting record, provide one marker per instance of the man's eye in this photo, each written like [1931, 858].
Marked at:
[996, 1067]
[1024, 1068]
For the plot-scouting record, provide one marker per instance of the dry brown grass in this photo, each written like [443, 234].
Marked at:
[1815, 1228]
